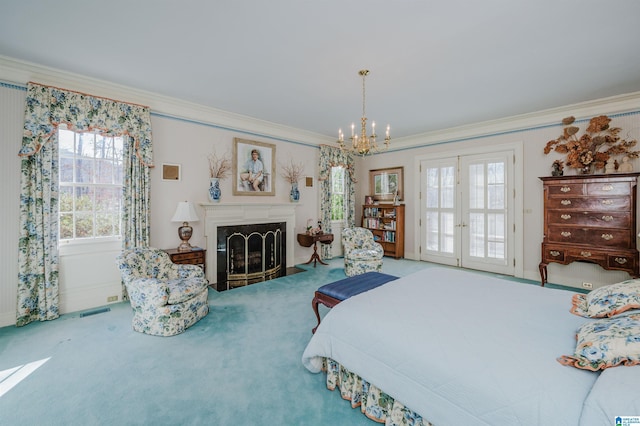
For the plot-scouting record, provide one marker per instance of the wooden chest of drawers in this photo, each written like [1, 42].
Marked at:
[590, 218]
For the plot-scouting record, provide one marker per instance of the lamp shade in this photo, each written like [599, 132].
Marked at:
[185, 212]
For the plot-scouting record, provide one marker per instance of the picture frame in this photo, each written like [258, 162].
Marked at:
[368, 199]
[171, 172]
[244, 181]
[384, 184]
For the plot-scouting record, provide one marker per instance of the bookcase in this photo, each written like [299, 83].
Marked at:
[386, 222]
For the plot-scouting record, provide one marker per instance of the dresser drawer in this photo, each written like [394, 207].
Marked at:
[605, 219]
[608, 188]
[599, 237]
[623, 261]
[568, 189]
[590, 203]
[195, 256]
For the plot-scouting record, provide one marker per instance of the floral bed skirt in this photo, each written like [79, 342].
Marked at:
[375, 404]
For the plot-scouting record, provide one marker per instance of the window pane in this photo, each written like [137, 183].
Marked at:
[84, 198]
[84, 225]
[105, 224]
[66, 226]
[66, 142]
[66, 169]
[65, 199]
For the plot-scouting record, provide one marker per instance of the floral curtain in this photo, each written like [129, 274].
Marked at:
[331, 157]
[46, 108]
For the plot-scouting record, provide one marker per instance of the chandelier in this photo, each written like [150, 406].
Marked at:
[363, 144]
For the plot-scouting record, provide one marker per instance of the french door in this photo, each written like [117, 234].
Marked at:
[467, 209]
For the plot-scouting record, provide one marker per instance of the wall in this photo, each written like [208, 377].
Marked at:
[185, 134]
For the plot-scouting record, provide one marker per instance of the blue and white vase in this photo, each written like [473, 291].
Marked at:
[294, 195]
[214, 190]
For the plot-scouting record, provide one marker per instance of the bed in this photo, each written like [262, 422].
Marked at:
[453, 347]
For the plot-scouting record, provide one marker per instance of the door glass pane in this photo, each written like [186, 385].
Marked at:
[448, 187]
[476, 186]
[476, 234]
[433, 236]
[496, 237]
[433, 187]
[495, 185]
[448, 225]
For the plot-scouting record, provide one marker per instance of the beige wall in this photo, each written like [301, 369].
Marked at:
[185, 134]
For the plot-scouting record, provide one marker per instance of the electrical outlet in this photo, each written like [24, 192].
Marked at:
[112, 299]
[587, 285]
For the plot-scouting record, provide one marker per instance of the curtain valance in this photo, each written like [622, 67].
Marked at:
[47, 107]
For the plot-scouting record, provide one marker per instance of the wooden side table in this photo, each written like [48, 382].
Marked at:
[308, 240]
[196, 256]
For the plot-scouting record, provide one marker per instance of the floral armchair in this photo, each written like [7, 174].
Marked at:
[361, 253]
[166, 298]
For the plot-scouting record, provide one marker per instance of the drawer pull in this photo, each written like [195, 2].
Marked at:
[607, 237]
[607, 202]
[565, 216]
[607, 187]
[607, 218]
[565, 233]
[554, 253]
[565, 202]
[585, 253]
[621, 260]
[565, 189]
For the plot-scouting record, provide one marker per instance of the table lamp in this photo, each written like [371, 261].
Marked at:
[185, 213]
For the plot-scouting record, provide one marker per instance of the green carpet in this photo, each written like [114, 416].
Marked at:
[240, 365]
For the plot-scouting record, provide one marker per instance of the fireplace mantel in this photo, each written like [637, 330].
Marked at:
[229, 214]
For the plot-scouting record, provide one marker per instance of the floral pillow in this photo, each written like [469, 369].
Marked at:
[605, 343]
[608, 301]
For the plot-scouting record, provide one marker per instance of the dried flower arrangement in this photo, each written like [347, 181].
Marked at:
[292, 172]
[219, 166]
[591, 151]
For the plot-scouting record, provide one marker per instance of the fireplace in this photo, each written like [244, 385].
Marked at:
[252, 215]
[248, 254]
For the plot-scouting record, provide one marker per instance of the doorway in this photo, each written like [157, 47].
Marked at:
[468, 211]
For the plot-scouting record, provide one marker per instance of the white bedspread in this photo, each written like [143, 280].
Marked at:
[461, 348]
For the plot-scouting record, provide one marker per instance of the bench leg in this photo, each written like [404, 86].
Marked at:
[314, 305]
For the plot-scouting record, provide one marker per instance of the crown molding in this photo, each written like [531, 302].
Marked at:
[21, 72]
[620, 104]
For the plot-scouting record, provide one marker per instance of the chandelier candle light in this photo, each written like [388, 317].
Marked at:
[185, 213]
[363, 144]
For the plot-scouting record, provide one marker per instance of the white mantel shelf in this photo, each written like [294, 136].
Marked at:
[230, 214]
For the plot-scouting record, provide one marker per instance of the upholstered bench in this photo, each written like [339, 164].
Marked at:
[332, 294]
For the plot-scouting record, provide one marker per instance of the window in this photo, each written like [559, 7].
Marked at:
[337, 193]
[91, 177]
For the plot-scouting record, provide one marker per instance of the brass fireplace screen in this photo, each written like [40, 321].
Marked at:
[248, 254]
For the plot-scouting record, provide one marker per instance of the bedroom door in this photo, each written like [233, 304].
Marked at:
[467, 218]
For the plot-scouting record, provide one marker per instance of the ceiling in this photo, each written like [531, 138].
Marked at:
[433, 64]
